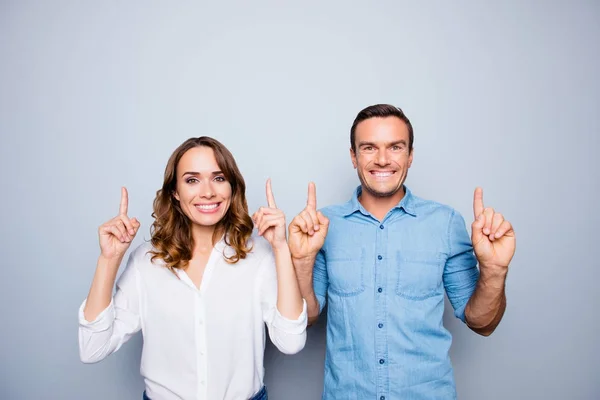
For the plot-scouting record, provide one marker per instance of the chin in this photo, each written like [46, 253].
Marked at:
[384, 192]
[207, 221]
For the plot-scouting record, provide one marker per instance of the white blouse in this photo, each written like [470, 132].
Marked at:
[198, 344]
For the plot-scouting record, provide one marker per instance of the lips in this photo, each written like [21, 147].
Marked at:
[207, 208]
[382, 174]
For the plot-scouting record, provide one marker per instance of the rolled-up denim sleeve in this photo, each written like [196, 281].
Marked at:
[460, 272]
[320, 280]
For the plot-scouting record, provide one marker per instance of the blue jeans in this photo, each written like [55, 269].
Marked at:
[261, 395]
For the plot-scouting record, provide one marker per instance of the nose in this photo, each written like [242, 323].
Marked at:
[207, 190]
[382, 158]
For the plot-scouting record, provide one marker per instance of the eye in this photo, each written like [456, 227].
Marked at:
[191, 180]
[220, 178]
[397, 148]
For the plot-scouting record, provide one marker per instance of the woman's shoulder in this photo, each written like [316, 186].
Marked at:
[142, 255]
[260, 246]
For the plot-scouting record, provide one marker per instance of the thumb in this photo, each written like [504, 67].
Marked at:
[477, 229]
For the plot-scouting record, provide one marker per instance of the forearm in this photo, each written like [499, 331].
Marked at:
[100, 294]
[289, 298]
[486, 307]
[305, 282]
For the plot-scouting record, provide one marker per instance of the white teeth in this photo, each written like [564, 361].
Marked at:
[382, 174]
[207, 206]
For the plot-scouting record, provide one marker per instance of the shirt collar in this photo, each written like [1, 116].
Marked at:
[407, 203]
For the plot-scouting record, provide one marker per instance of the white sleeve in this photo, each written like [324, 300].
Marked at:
[289, 336]
[116, 324]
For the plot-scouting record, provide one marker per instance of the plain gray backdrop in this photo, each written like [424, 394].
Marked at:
[506, 95]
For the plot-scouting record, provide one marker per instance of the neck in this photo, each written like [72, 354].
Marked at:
[380, 206]
[203, 238]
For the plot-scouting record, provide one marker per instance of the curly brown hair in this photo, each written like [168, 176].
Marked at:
[171, 231]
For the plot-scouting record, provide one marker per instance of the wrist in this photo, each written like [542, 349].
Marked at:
[304, 260]
[493, 274]
[304, 266]
[280, 248]
[110, 263]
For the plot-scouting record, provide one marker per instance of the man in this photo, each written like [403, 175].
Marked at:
[382, 262]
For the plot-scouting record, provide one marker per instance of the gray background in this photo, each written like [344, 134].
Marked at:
[95, 95]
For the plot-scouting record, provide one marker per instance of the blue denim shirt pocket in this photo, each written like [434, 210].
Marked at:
[419, 274]
[345, 270]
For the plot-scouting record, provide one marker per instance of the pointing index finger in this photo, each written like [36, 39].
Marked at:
[124, 201]
[312, 196]
[270, 197]
[478, 202]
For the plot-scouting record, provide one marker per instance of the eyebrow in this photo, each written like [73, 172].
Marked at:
[193, 173]
[402, 141]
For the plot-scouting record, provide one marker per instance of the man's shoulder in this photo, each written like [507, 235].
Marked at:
[426, 206]
[336, 210]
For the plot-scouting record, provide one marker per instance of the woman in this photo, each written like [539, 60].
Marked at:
[203, 287]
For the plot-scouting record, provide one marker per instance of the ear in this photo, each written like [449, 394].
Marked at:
[353, 158]
[176, 195]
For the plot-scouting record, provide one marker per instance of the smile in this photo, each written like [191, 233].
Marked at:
[207, 208]
[382, 174]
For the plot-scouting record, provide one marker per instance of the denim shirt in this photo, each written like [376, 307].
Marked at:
[384, 283]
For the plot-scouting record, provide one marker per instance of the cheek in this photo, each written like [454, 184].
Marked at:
[227, 197]
[402, 164]
[184, 206]
[225, 192]
[363, 164]
[183, 194]
[187, 195]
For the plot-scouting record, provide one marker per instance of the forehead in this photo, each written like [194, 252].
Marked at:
[382, 130]
[198, 159]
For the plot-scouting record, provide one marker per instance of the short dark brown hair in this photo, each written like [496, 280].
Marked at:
[381, 111]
